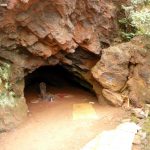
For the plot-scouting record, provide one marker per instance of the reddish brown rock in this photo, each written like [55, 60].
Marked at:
[39, 49]
[126, 67]
[112, 69]
[72, 33]
[27, 38]
[70, 24]
[113, 98]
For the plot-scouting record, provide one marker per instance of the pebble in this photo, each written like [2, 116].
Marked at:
[91, 103]
[139, 113]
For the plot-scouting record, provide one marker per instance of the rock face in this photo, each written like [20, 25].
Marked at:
[45, 27]
[124, 68]
[34, 33]
[114, 98]
[75, 34]
[112, 69]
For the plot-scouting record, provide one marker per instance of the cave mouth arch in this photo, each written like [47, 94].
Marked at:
[57, 79]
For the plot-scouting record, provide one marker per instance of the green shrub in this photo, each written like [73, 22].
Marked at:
[141, 20]
[137, 19]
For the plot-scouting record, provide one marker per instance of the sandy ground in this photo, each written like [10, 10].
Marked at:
[50, 125]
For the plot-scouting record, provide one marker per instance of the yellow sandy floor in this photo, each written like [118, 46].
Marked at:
[84, 111]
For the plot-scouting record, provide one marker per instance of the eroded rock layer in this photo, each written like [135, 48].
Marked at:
[47, 26]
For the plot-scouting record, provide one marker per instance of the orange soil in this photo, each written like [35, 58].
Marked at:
[50, 125]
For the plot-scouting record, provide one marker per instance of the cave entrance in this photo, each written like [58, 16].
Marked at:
[67, 123]
[59, 82]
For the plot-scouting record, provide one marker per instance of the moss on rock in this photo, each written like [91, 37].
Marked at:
[7, 96]
[13, 108]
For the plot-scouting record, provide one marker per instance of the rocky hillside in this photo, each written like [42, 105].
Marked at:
[80, 36]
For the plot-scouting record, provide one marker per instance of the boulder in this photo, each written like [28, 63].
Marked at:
[113, 98]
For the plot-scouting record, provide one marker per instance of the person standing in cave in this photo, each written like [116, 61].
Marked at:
[43, 93]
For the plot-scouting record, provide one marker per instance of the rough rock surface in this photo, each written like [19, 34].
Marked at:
[45, 27]
[124, 68]
[112, 69]
[114, 98]
[75, 34]
[34, 33]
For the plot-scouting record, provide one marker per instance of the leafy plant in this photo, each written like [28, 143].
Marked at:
[128, 30]
[137, 17]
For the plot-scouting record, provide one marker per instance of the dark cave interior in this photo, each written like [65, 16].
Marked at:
[55, 77]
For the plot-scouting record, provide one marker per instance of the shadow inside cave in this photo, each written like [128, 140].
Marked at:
[58, 80]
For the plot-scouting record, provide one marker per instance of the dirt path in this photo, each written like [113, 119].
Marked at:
[50, 126]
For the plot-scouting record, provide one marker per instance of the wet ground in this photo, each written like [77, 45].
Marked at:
[51, 125]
